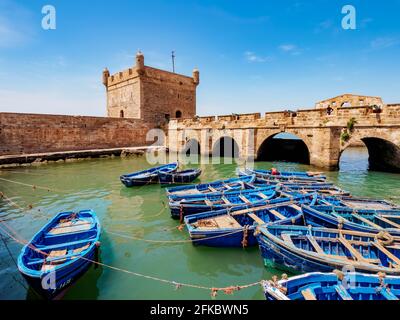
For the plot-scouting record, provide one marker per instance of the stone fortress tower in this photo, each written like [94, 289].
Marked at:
[150, 94]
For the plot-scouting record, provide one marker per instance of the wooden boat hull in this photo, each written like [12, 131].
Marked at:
[227, 227]
[229, 238]
[180, 209]
[316, 217]
[360, 203]
[179, 177]
[61, 252]
[327, 189]
[137, 182]
[283, 176]
[327, 286]
[226, 185]
[64, 279]
[232, 237]
[149, 176]
[280, 254]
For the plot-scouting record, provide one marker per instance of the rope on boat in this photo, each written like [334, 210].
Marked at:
[181, 214]
[229, 290]
[245, 236]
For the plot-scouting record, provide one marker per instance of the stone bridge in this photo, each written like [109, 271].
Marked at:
[321, 137]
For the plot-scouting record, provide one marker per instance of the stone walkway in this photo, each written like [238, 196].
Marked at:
[28, 159]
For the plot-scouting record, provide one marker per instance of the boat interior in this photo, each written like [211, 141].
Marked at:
[247, 217]
[389, 219]
[349, 246]
[334, 290]
[62, 241]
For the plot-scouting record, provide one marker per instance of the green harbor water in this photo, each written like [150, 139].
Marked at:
[142, 213]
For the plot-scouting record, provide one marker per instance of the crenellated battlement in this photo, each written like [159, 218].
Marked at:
[150, 73]
[121, 76]
[365, 115]
[325, 133]
[151, 94]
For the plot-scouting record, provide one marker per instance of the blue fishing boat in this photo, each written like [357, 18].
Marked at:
[323, 189]
[321, 184]
[148, 176]
[210, 202]
[60, 252]
[283, 175]
[235, 227]
[185, 176]
[359, 203]
[227, 185]
[334, 286]
[308, 249]
[352, 219]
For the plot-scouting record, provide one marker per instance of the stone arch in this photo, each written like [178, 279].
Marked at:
[384, 155]
[216, 135]
[226, 147]
[383, 150]
[192, 148]
[285, 149]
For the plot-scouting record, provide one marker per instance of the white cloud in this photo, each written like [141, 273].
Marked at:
[252, 57]
[287, 47]
[364, 22]
[290, 48]
[384, 42]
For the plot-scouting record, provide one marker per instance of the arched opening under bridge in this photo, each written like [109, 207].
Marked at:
[192, 148]
[284, 147]
[226, 147]
[374, 154]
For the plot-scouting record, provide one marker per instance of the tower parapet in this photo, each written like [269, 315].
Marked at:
[196, 76]
[106, 75]
[140, 62]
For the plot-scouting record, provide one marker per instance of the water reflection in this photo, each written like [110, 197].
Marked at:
[354, 159]
[140, 212]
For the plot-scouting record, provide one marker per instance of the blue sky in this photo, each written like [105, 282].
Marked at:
[253, 56]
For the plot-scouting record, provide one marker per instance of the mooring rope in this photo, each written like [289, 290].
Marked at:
[38, 212]
[20, 172]
[34, 187]
[175, 241]
[213, 290]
